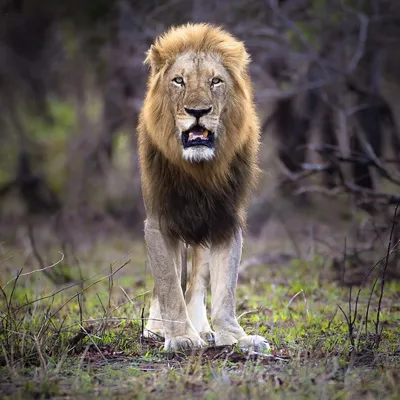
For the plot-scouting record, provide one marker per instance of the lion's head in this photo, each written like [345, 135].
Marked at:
[199, 107]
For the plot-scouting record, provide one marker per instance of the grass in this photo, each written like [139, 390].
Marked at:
[84, 338]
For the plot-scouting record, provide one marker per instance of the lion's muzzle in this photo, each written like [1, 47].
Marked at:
[197, 136]
[198, 112]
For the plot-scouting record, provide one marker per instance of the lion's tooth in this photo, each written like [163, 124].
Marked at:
[205, 133]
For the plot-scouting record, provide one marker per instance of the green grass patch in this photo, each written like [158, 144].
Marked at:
[84, 338]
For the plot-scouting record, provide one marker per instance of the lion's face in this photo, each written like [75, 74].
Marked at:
[199, 110]
[197, 86]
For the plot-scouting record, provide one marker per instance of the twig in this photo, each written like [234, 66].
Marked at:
[102, 305]
[263, 355]
[130, 300]
[110, 290]
[86, 288]
[66, 288]
[351, 319]
[349, 324]
[94, 343]
[383, 276]
[368, 195]
[142, 325]
[41, 358]
[36, 270]
[251, 312]
[362, 39]
[290, 301]
[13, 289]
[80, 309]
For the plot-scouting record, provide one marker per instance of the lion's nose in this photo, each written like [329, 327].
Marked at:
[198, 112]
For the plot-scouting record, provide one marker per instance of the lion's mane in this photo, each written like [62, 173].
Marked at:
[199, 203]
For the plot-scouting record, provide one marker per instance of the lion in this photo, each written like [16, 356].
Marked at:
[198, 140]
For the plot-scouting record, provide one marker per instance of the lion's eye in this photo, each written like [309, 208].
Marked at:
[216, 81]
[178, 81]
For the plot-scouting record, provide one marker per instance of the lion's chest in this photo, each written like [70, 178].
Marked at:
[200, 216]
[190, 211]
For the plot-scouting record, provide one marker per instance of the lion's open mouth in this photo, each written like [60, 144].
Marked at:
[197, 136]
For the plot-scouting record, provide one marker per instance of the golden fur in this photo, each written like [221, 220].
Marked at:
[200, 200]
[240, 118]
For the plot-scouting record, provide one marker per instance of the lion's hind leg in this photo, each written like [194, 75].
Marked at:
[154, 328]
[195, 294]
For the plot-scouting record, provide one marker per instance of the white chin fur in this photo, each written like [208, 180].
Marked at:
[198, 154]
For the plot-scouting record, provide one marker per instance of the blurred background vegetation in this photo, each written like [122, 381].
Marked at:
[326, 74]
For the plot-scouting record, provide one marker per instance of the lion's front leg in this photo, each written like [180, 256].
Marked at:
[224, 270]
[195, 295]
[165, 263]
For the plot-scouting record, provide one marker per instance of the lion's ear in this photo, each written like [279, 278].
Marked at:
[154, 59]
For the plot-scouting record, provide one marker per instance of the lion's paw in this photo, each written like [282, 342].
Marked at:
[253, 342]
[184, 343]
[224, 339]
[208, 337]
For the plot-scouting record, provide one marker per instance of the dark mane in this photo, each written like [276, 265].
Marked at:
[190, 212]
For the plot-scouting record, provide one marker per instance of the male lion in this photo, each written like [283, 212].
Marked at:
[198, 139]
